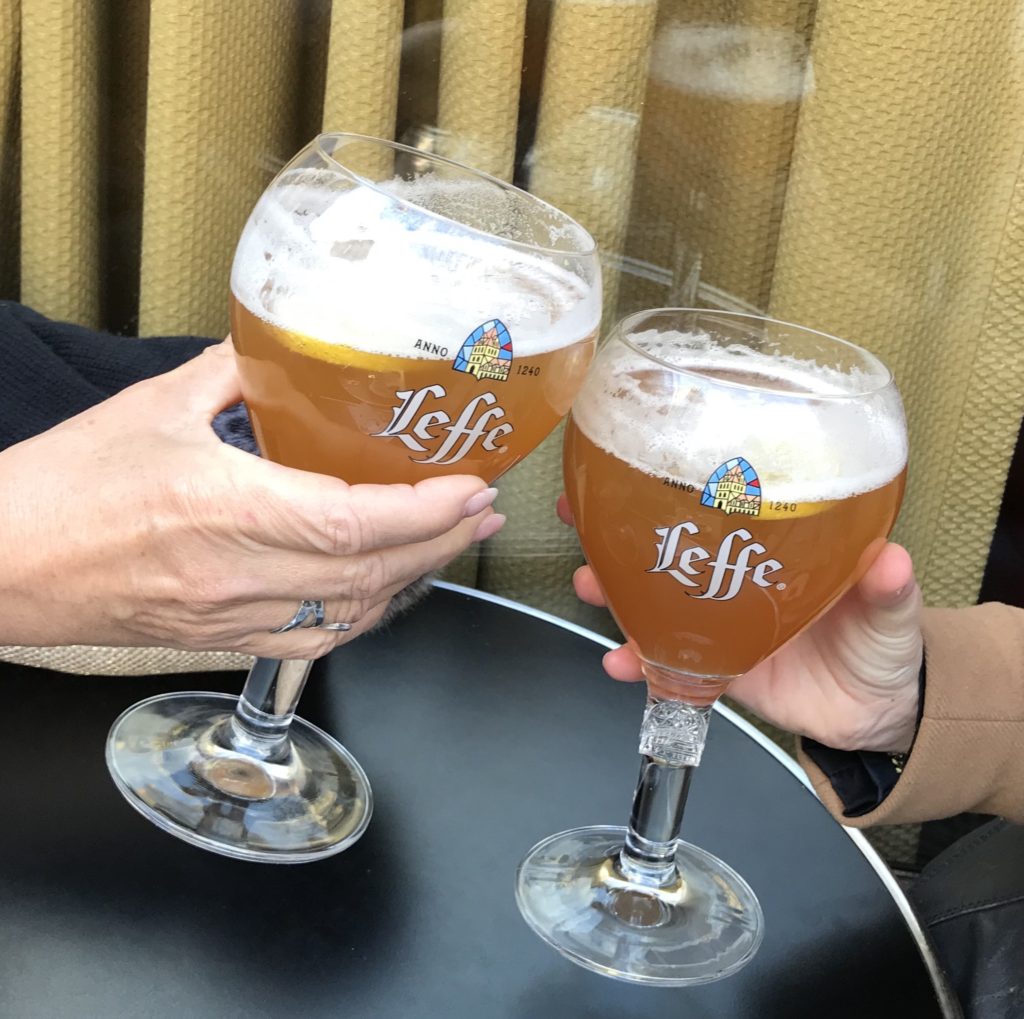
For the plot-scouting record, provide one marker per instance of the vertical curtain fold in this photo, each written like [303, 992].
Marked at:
[724, 90]
[361, 94]
[582, 161]
[60, 158]
[588, 126]
[222, 78]
[481, 64]
[901, 232]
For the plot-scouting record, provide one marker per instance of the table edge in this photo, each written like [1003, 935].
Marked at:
[946, 998]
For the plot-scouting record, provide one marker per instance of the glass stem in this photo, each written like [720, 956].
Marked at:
[671, 744]
[266, 706]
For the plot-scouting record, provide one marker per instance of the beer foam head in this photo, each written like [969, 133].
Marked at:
[811, 432]
[372, 268]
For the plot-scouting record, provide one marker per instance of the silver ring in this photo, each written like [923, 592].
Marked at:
[310, 616]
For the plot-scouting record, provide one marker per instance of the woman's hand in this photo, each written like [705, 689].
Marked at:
[133, 524]
[850, 680]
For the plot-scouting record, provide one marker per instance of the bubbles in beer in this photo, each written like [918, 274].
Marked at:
[792, 419]
[371, 268]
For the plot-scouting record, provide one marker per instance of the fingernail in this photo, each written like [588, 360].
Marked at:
[489, 527]
[479, 502]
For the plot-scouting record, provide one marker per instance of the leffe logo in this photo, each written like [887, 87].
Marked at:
[733, 487]
[729, 568]
[414, 424]
[486, 354]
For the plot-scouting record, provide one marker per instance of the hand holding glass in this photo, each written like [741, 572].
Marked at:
[396, 316]
[730, 477]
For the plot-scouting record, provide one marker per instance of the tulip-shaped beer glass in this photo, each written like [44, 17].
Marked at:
[730, 476]
[396, 316]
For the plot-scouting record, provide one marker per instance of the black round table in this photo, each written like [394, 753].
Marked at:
[483, 726]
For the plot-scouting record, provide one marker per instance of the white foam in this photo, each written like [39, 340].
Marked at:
[351, 266]
[681, 425]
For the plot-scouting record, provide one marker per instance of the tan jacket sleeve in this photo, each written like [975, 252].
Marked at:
[969, 751]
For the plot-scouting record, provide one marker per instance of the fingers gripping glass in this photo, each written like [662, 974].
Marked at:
[396, 316]
[730, 477]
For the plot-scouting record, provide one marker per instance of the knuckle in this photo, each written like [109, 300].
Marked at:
[190, 511]
[368, 606]
[321, 642]
[365, 580]
[200, 601]
[186, 495]
[361, 608]
[204, 595]
[345, 532]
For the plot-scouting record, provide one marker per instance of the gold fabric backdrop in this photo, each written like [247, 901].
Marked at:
[845, 164]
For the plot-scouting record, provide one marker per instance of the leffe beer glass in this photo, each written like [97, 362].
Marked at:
[731, 477]
[396, 316]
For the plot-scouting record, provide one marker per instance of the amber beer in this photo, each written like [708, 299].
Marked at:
[378, 344]
[380, 418]
[708, 573]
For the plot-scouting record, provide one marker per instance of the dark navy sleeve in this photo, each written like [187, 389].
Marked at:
[50, 371]
[861, 778]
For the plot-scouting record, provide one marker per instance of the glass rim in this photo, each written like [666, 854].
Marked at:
[624, 326]
[584, 252]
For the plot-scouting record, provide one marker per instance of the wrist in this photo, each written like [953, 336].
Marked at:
[18, 616]
[49, 588]
[862, 778]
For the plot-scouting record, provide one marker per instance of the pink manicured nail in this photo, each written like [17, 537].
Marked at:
[479, 502]
[489, 527]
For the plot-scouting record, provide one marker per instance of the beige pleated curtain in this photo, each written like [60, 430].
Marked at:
[852, 165]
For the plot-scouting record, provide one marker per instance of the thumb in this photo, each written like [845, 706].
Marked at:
[887, 613]
[889, 592]
[203, 387]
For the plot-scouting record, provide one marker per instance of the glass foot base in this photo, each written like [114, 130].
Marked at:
[571, 891]
[172, 758]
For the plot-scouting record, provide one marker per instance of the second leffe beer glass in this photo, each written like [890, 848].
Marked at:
[396, 316]
[731, 477]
